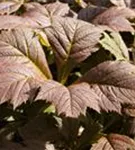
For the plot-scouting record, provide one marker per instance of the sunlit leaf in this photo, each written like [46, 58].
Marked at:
[23, 65]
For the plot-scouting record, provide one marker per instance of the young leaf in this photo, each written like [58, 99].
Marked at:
[113, 83]
[23, 65]
[115, 45]
[116, 18]
[70, 101]
[114, 142]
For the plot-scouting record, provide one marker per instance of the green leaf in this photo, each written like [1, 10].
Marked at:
[115, 44]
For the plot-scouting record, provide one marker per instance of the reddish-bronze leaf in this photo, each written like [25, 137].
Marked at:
[72, 39]
[114, 142]
[23, 66]
[70, 101]
[116, 18]
[113, 83]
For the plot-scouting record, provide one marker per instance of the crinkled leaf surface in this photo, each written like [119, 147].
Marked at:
[115, 44]
[116, 18]
[70, 101]
[113, 83]
[9, 7]
[23, 65]
[71, 38]
[114, 142]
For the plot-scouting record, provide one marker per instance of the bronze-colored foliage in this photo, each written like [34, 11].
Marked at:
[67, 74]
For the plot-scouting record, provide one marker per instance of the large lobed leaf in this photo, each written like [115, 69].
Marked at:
[104, 87]
[23, 65]
[72, 100]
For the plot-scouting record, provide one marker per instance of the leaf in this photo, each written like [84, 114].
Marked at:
[114, 142]
[70, 101]
[115, 44]
[23, 65]
[116, 18]
[9, 7]
[72, 41]
[113, 83]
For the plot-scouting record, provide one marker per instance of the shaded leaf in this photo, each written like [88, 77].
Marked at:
[9, 7]
[70, 101]
[23, 65]
[113, 83]
[89, 13]
[114, 142]
[116, 18]
[115, 44]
